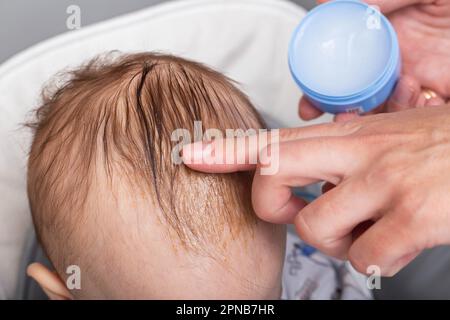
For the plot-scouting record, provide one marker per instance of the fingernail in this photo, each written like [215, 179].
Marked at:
[434, 102]
[403, 94]
[196, 152]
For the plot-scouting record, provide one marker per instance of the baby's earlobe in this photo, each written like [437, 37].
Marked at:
[53, 286]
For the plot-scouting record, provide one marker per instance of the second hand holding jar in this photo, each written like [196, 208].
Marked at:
[345, 57]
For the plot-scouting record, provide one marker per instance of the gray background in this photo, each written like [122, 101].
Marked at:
[26, 22]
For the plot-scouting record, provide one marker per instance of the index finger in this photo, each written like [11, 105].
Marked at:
[244, 153]
[387, 6]
[296, 164]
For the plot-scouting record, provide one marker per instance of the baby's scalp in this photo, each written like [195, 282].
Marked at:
[100, 169]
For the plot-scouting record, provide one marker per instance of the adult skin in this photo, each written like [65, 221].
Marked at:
[423, 29]
[391, 172]
[392, 178]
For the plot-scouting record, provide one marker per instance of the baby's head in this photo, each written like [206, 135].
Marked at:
[106, 195]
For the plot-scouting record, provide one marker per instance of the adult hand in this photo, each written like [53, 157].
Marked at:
[423, 29]
[392, 177]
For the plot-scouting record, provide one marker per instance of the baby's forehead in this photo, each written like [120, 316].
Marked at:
[144, 254]
[202, 207]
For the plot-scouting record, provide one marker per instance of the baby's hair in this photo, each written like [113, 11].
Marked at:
[113, 117]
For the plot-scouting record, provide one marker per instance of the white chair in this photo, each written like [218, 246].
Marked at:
[245, 39]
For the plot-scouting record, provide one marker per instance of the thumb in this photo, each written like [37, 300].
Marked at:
[386, 6]
[405, 94]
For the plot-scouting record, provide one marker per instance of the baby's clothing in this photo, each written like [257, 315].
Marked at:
[311, 275]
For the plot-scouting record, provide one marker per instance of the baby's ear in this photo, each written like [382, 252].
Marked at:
[49, 281]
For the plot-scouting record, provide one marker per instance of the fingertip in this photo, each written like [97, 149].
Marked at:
[307, 111]
[195, 153]
[219, 156]
[32, 267]
[405, 95]
[343, 117]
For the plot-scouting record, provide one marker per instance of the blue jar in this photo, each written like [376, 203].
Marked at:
[345, 57]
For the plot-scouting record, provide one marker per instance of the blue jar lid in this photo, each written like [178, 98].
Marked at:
[343, 49]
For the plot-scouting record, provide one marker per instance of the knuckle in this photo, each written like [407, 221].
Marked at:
[411, 219]
[361, 264]
[350, 127]
[316, 234]
[385, 173]
[358, 265]
[375, 139]
[408, 204]
[363, 257]
[304, 229]
[288, 133]
[378, 176]
[267, 156]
